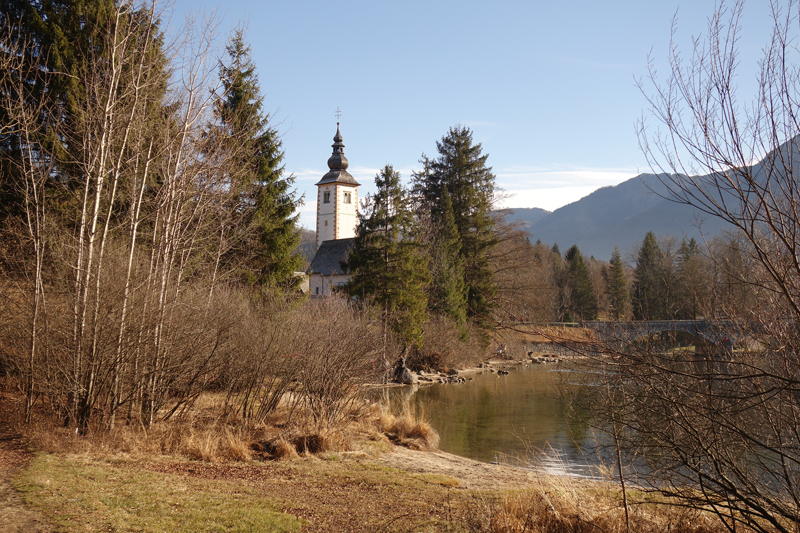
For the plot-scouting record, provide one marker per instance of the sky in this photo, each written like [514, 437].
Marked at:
[548, 88]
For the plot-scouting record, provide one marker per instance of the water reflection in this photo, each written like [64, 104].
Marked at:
[517, 418]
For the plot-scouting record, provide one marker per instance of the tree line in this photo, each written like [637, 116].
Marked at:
[661, 280]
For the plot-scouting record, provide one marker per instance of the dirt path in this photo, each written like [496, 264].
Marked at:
[15, 517]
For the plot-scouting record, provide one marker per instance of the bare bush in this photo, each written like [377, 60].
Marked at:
[315, 356]
[524, 277]
[339, 353]
[444, 348]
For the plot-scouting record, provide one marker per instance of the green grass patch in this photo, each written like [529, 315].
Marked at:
[78, 494]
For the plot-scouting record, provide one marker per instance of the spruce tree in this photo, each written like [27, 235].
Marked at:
[460, 171]
[261, 193]
[387, 264]
[648, 286]
[616, 287]
[66, 36]
[447, 288]
[583, 301]
[692, 286]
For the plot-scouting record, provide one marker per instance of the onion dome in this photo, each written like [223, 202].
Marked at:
[337, 163]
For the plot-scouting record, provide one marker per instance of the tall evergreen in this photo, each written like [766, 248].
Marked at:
[692, 287]
[583, 302]
[616, 287]
[261, 191]
[460, 171]
[65, 36]
[387, 263]
[448, 289]
[648, 294]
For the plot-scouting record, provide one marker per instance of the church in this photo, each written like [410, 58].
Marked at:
[337, 218]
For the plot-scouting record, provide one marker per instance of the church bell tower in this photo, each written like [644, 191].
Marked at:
[337, 197]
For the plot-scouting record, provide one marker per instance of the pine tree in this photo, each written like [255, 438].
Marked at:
[583, 301]
[460, 170]
[648, 286]
[616, 287]
[260, 192]
[387, 264]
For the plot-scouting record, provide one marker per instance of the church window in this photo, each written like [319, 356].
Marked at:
[326, 197]
[317, 288]
[326, 223]
[348, 198]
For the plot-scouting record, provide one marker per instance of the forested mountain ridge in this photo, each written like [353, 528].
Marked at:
[620, 216]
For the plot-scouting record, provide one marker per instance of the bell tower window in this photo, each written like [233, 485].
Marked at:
[348, 198]
[326, 197]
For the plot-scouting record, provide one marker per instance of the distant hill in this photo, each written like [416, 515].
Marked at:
[620, 216]
[527, 215]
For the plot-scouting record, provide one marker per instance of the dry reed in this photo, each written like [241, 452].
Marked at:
[562, 504]
[407, 428]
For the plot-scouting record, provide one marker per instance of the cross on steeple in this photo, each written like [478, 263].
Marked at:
[338, 114]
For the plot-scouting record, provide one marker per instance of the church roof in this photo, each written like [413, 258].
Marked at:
[326, 260]
[337, 163]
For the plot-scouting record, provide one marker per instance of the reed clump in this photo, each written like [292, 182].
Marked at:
[406, 428]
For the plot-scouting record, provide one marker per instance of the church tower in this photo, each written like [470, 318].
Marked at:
[337, 198]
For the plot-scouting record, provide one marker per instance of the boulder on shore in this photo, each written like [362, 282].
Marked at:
[402, 374]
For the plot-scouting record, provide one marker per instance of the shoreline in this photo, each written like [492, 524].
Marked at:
[493, 365]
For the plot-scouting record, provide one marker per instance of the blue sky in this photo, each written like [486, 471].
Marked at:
[548, 88]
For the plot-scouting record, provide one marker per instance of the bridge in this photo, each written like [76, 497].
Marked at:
[708, 337]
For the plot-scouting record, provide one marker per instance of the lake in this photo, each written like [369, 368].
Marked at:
[518, 418]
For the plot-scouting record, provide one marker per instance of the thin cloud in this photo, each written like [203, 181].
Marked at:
[549, 188]
[526, 177]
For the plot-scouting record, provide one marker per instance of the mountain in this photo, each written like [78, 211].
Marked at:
[527, 215]
[620, 216]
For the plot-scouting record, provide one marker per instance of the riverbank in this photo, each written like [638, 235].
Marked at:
[374, 487]
[393, 490]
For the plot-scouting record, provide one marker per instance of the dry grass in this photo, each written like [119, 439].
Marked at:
[560, 504]
[407, 428]
[83, 494]
[202, 434]
[553, 504]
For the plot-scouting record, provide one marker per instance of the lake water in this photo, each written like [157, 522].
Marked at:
[517, 418]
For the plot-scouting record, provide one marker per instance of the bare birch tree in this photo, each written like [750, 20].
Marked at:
[19, 62]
